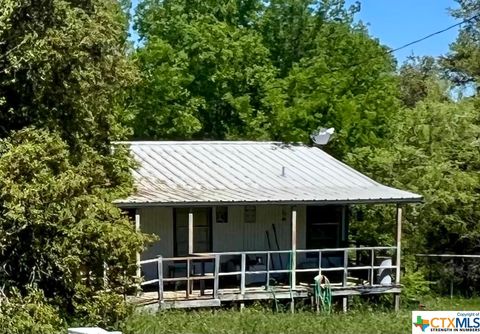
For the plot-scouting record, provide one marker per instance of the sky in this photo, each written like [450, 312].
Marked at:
[398, 22]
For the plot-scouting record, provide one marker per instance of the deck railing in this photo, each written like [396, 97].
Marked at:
[350, 262]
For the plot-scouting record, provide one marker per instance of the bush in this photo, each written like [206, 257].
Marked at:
[414, 284]
[29, 314]
[104, 309]
[59, 228]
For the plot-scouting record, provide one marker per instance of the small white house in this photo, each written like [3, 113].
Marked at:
[205, 198]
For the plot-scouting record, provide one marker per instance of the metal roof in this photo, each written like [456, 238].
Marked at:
[208, 172]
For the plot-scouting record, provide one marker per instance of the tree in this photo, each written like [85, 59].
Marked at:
[416, 77]
[290, 27]
[462, 63]
[64, 69]
[433, 150]
[347, 83]
[57, 222]
[63, 66]
[294, 65]
[204, 70]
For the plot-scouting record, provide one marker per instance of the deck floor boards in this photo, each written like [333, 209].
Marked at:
[178, 299]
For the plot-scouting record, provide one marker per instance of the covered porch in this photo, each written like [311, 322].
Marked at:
[242, 221]
[223, 268]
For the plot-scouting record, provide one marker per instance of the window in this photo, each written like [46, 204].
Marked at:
[221, 214]
[323, 226]
[250, 214]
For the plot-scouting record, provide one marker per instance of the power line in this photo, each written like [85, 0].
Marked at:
[333, 70]
[433, 34]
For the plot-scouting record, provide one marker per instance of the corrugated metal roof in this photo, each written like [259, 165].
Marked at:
[201, 172]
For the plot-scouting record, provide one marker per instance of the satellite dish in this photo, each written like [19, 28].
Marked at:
[322, 136]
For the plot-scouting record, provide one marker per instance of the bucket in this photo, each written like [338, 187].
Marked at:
[384, 276]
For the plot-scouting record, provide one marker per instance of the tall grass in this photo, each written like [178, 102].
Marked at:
[364, 318]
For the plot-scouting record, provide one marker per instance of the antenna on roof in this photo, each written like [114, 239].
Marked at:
[322, 136]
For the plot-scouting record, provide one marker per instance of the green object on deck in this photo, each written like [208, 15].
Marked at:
[323, 294]
[274, 298]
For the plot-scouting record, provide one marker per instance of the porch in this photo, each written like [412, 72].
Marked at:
[243, 221]
[208, 280]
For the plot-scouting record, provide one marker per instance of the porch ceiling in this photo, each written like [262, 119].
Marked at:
[196, 173]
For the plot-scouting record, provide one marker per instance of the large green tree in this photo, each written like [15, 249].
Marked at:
[249, 69]
[433, 150]
[63, 66]
[58, 224]
[346, 81]
[204, 70]
[64, 69]
[416, 77]
[290, 28]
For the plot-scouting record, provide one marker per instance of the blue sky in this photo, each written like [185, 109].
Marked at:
[397, 22]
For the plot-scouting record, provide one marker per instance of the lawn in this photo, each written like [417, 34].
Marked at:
[363, 318]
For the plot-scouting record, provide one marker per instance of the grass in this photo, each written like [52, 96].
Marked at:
[363, 318]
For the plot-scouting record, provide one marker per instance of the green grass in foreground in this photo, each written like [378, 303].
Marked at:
[364, 318]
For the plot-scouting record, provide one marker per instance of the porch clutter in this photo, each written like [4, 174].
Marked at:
[242, 221]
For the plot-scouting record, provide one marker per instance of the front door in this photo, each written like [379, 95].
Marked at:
[202, 230]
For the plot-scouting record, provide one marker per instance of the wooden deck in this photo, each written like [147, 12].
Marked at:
[176, 299]
[205, 275]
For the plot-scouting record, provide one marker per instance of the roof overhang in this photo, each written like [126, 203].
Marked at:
[134, 205]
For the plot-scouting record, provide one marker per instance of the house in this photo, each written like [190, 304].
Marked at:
[242, 220]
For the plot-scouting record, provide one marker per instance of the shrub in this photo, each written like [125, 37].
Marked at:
[104, 309]
[29, 314]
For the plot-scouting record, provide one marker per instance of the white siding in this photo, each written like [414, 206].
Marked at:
[236, 235]
[228, 236]
[158, 221]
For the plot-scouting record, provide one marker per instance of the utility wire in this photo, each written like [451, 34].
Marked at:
[433, 34]
[333, 70]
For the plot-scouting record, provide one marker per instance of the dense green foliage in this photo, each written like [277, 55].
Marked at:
[242, 69]
[238, 69]
[62, 65]
[29, 313]
[462, 64]
[204, 74]
[362, 319]
[49, 203]
[434, 150]
[64, 70]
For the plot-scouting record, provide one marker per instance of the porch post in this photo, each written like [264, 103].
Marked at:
[293, 261]
[137, 228]
[293, 258]
[190, 232]
[398, 253]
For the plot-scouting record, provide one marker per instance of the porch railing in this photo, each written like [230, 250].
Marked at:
[347, 264]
